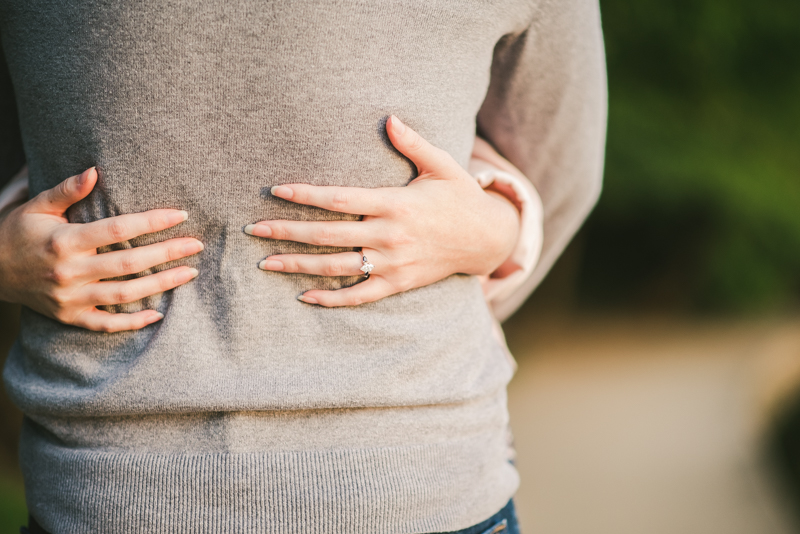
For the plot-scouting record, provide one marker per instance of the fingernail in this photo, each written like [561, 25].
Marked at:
[83, 176]
[159, 315]
[177, 217]
[185, 276]
[282, 191]
[307, 300]
[193, 247]
[271, 265]
[263, 230]
[398, 126]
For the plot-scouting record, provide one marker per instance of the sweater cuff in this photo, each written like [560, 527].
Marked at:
[521, 192]
[15, 192]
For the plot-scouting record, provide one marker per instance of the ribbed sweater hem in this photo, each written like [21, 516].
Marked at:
[391, 490]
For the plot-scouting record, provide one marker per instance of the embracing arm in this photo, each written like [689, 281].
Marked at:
[545, 112]
[52, 266]
[498, 176]
[442, 223]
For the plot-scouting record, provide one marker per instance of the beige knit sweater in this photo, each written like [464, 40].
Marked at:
[245, 410]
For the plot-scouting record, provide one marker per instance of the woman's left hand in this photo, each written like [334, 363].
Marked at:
[440, 224]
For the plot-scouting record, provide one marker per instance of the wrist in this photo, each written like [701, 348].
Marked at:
[503, 226]
[5, 277]
[6, 210]
[14, 193]
[515, 189]
[510, 231]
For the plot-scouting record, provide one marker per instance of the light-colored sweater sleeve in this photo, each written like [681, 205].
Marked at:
[545, 112]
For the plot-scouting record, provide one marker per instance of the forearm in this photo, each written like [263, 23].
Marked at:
[510, 206]
[500, 178]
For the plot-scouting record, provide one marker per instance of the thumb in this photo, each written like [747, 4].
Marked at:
[55, 201]
[424, 155]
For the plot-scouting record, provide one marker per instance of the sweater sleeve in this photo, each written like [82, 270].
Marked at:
[545, 111]
[12, 157]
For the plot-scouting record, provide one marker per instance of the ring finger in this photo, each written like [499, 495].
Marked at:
[339, 264]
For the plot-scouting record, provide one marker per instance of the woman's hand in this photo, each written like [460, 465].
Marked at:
[440, 224]
[53, 266]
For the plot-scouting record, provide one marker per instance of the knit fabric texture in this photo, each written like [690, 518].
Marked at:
[245, 410]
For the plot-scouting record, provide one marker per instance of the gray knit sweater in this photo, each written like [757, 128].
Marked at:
[245, 410]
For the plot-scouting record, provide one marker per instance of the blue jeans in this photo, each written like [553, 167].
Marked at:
[503, 522]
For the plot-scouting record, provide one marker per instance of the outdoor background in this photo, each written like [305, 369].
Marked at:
[661, 358]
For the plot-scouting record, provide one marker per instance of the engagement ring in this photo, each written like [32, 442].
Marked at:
[366, 266]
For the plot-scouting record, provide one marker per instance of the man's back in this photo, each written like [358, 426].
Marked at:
[243, 401]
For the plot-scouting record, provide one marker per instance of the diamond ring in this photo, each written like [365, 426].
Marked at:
[366, 266]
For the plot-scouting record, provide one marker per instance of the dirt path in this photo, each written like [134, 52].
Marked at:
[649, 427]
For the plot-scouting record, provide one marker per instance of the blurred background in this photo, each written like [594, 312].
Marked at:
[659, 363]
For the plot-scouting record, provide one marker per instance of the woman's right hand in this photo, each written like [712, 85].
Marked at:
[52, 266]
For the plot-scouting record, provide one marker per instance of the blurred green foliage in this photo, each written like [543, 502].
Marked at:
[701, 202]
[13, 513]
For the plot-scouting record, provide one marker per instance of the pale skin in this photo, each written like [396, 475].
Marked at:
[442, 223]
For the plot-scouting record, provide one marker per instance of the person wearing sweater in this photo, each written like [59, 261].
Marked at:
[268, 297]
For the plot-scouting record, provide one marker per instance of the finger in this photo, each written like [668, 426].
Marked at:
[103, 321]
[375, 288]
[424, 155]
[355, 200]
[341, 264]
[106, 293]
[136, 260]
[112, 230]
[55, 201]
[323, 233]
